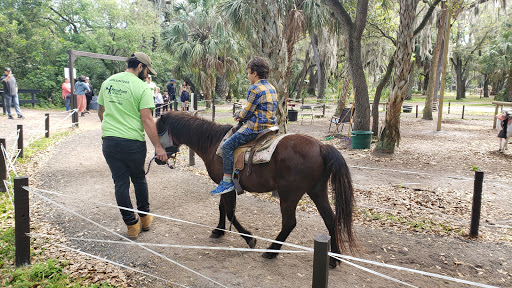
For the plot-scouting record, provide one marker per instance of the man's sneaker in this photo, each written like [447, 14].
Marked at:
[10, 117]
[133, 230]
[21, 117]
[146, 222]
[224, 187]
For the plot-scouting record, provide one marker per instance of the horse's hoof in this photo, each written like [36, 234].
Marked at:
[268, 255]
[217, 234]
[251, 242]
[333, 263]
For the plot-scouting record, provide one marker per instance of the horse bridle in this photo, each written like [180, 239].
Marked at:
[168, 145]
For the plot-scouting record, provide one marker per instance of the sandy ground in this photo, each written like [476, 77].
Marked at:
[76, 167]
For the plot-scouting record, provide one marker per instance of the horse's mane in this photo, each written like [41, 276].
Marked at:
[198, 132]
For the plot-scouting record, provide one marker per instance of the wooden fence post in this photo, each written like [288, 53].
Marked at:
[321, 261]
[47, 125]
[213, 110]
[416, 110]
[20, 140]
[463, 107]
[477, 203]
[3, 167]
[22, 221]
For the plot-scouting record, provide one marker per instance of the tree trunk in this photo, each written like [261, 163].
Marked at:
[342, 102]
[486, 86]
[378, 93]
[434, 72]
[312, 81]
[508, 95]
[461, 84]
[408, 96]
[353, 31]
[390, 136]
[302, 76]
[320, 67]
[221, 87]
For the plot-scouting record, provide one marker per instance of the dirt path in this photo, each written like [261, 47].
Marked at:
[76, 167]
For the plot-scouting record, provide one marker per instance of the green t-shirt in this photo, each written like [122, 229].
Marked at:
[123, 95]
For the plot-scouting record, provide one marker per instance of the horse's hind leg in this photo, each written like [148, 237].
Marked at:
[289, 221]
[320, 198]
[217, 233]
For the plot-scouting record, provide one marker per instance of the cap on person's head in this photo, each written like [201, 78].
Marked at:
[144, 59]
[7, 69]
[172, 80]
[165, 90]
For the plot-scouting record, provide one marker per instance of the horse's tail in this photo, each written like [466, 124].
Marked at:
[341, 183]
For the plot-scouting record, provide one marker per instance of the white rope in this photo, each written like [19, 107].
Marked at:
[338, 256]
[183, 246]
[10, 164]
[117, 264]
[121, 236]
[34, 133]
[410, 172]
[7, 184]
[274, 241]
[69, 115]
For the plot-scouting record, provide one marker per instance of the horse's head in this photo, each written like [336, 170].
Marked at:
[165, 135]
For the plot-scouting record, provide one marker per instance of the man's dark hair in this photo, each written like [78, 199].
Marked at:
[260, 66]
[133, 63]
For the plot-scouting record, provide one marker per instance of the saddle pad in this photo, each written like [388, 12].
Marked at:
[263, 152]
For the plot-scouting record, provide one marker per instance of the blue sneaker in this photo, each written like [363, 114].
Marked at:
[224, 187]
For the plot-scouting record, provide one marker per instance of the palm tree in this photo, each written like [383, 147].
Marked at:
[272, 28]
[202, 42]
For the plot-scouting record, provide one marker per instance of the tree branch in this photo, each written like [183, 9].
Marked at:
[361, 15]
[427, 16]
[340, 13]
[383, 33]
[75, 29]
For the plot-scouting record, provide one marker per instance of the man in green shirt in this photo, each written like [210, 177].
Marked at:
[125, 106]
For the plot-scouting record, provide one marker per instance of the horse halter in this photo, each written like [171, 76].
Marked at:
[168, 144]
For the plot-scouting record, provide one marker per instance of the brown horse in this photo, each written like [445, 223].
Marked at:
[299, 165]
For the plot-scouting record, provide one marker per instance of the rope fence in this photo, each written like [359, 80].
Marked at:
[344, 258]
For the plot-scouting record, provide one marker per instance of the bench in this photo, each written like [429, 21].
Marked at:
[32, 101]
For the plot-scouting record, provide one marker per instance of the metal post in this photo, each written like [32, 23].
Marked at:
[213, 110]
[47, 125]
[463, 107]
[321, 261]
[477, 203]
[3, 167]
[191, 157]
[72, 58]
[20, 141]
[323, 110]
[175, 105]
[449, 104]
[416, 110]
[22, 221]
[233, 108]
[195, 102]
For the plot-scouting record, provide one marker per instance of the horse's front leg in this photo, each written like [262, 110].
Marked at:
[289, 221]
[217, 233]
[229, 201]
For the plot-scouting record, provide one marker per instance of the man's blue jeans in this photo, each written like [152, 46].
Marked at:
[229, 147]
[10, 99]
[125, 158]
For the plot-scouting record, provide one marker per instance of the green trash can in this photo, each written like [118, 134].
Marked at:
[361, 139]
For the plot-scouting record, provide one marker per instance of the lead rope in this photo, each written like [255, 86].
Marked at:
[168, 164]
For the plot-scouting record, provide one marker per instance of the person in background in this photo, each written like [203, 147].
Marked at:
[11, 92]
[259, 114]
[66, 93]
[80, 89]
[151, 86]
[159, 101]
[184, 96]
[88, 95]
[171, 88]
[125, 104]
[166, 101]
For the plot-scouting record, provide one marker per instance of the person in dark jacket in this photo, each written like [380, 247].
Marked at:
[171, 90]
[88, 95]
[10, 92]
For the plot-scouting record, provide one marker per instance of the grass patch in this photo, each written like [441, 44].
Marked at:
[42, 274]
